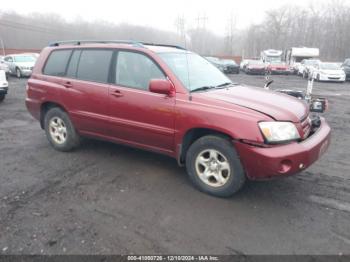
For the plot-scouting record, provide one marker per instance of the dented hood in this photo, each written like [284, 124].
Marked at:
[276, 105]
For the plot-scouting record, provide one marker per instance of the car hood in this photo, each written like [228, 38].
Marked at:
[27, 64]
[276, 105]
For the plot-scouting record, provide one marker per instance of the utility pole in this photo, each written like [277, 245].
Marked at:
[201, 29]
[231, 28]
[180, 26]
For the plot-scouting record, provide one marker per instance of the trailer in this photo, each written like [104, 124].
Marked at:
[271, 55]
[295, 55]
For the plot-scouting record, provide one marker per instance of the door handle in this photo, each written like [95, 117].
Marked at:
[117, 93]
[68, 84]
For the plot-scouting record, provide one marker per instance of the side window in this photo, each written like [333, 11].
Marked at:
[94, 65]
[57, 63]
[136, 70]
[73, 64]
[8, 59]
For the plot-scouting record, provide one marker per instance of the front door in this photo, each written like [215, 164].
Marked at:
[137, 115]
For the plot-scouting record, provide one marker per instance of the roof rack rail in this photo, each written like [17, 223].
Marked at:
[131, 42]
[165, 45]
[79, 42]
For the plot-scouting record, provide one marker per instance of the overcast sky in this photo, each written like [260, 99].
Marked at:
[157, 13]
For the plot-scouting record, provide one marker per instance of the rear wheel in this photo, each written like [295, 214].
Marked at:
[2, 97]
[60, 131]
[214, 167]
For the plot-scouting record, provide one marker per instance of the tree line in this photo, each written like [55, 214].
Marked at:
[324, 26]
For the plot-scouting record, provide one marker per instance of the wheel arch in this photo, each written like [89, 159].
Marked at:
[45, 107]
[194, 134]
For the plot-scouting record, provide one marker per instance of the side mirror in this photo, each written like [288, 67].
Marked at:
[161, 86]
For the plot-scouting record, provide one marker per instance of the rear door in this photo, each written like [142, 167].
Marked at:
[139, 116]
[86, 87]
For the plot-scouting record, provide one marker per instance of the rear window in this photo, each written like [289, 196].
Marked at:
[94, 65]
[57, 63]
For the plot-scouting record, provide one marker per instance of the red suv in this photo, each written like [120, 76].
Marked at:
[172, 101]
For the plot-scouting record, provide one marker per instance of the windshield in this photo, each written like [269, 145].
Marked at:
[277, 63]
[212, 59]
[311, 62]
[24, 59]
[329, 66]
[230, 62]
[194, 71]
[272, 59]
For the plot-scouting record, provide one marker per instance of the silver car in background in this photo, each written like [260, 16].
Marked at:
[4, 66]
[20, 64]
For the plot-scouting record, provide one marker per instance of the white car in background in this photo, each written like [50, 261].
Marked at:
[306, 66]
[4, 66]
[4, 85]
[328, 72]
[20, 64]
[244, 64]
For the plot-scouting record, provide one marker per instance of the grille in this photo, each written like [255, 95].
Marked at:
[306, 125]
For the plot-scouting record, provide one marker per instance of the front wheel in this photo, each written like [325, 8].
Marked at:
[18, 73]
[214, 167]
[60, 131]
[2, 97]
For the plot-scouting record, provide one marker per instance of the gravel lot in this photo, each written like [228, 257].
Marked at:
[110, 199]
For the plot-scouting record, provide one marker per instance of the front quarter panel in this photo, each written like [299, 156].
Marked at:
[237, 122]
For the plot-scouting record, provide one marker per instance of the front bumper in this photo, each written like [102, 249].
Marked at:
[232, 70]
[26, 72]
[256, 71]
[336, 78]
[263, 163]
[280, 71]
[3, 90]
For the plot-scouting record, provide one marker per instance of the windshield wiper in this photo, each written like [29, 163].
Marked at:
[227, 84]
[202, 88]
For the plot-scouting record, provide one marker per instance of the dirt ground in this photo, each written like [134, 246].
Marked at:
[110, 199]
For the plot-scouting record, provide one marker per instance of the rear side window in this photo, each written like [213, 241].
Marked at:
[73, 64]
[57, 63]
[94, 65]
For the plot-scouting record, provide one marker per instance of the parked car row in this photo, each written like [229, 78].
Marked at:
[19, 65]
[308, 68]
[228, 66]
[251, 66]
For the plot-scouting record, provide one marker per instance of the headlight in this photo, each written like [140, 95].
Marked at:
[277, 132]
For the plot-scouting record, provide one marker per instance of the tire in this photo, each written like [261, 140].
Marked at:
[2, 97]
[18, 73]
[60, 131]
[231, 172]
